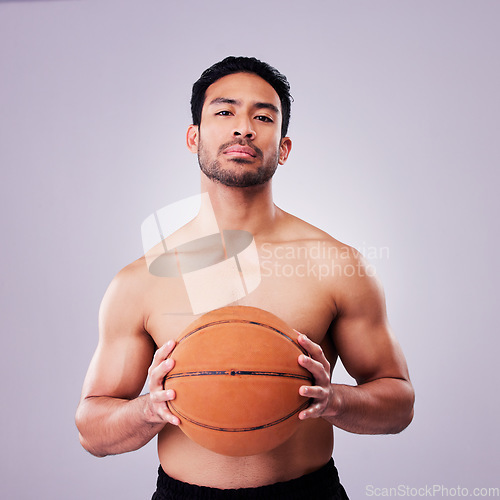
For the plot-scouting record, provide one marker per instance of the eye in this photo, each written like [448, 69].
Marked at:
[223, 113]
[264, 118]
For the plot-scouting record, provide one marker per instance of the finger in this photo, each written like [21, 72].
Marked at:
[159, 405]
[164, 413]
[313, 411]
[162, 353]
[304, 340]
[314, 392]
[321, 376]
[168, 416]
[158, 374]
[311, 347]
[314, 350]
[169, 346]
[159, 397]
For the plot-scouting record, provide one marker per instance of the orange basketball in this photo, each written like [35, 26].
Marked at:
[237, 378]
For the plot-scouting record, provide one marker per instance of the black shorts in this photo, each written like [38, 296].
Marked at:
[322, 484]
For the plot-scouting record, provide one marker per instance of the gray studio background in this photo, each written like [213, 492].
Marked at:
[396, 146]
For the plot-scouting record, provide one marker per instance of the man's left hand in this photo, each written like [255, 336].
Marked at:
[322, 392]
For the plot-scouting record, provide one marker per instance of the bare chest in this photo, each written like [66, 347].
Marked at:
[286, 288]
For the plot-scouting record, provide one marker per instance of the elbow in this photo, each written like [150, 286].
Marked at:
[87, 446]
[81, 424]
[403, 423]
[407, 411]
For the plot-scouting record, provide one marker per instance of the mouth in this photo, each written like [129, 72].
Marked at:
[240, 151]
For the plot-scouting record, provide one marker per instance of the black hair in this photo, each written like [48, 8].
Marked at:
[231, 65]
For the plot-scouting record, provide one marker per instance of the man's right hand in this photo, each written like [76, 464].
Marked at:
[157, 410]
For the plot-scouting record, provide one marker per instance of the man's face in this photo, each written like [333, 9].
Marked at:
[239, 139]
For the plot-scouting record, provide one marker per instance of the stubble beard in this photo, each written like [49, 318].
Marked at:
[240, 177]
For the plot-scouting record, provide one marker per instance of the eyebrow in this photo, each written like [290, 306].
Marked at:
[237, 102]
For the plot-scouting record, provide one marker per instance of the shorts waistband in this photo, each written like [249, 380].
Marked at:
[321, 484]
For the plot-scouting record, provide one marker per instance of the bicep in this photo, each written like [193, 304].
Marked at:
[125, 350]
[362, 335]
[118, 368]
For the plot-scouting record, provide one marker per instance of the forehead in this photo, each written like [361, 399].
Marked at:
[245, 87]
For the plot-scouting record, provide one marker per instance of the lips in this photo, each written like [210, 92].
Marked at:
[237, 150]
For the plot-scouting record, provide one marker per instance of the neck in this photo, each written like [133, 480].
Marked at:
[249, 209]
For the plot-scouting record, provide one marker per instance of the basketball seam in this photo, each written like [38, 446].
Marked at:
[202, 373]
[249, 322]
[239, 429]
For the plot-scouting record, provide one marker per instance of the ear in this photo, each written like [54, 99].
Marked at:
[192, 136]
[285, 148]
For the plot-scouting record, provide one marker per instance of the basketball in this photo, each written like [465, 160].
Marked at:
[237, 380]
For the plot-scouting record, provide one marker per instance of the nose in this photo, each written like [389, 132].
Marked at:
[244, 129]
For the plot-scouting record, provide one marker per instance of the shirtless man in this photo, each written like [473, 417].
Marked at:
[240, 114]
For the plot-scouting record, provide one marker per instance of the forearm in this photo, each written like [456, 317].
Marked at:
[110, 426]
[383, 406]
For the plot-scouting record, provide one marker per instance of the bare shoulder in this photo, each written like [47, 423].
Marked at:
[348, 273]
[360, 329]
[133, 273]
[297, 230]
[123, 305]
